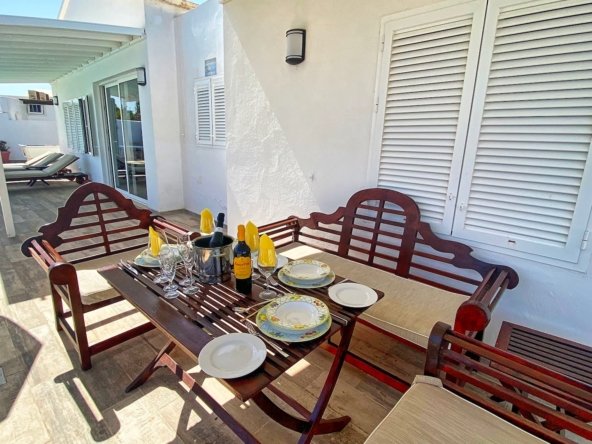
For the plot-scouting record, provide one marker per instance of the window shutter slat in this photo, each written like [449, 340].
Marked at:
[529, 151]
[203, 117]
[429, 69]
[219, 110]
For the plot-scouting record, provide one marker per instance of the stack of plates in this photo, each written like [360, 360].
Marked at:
[294, 318]
[306, 273]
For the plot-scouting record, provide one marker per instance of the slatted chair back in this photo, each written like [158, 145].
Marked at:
[95, 221]
[382, 228]
[542, 401]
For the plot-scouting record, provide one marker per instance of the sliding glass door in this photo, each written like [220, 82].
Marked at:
[126, 147]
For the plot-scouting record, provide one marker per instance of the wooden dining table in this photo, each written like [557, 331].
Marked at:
[192, 321]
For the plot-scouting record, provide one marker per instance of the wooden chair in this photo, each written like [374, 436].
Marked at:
[96, 227]
[519, 399]
[382, 228]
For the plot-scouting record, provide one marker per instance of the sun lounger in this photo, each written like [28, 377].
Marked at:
[53, 171]
[38, 162]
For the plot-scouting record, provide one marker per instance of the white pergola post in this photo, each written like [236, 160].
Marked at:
[5, 203]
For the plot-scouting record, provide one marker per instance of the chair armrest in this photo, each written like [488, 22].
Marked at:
[474, 314]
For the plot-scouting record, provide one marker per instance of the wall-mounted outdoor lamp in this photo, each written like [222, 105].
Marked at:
[296, 45]
[55, 100]
[141, 73]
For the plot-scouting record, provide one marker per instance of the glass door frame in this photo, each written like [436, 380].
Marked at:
[115, 81]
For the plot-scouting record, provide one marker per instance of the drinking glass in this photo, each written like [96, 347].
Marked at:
[187, 253]
[158, 236]
[267, 264]
[252, 240]
[168, 265]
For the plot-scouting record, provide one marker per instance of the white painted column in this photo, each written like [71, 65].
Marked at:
[5, 203]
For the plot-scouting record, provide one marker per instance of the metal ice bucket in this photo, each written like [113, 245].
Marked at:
[214, 265]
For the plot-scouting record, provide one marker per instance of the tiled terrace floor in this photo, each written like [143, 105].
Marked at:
[47, 398]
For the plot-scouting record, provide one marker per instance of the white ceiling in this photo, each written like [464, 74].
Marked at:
[34, 50]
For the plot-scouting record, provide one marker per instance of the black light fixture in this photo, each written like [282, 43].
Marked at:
[55, 100]
[295, 46]
[141, 73]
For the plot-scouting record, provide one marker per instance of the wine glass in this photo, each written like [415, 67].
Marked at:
[168, 266]
[252, 240]
[187, 253]
[267, 264]
[156, 240]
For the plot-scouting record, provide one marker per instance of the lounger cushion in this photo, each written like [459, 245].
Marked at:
[428, 413]
[93, 287]
[408, 310]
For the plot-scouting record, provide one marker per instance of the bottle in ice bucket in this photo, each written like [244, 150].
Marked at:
[217, 239]
[242, 263]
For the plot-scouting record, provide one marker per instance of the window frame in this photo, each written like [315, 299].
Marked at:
[35, 113]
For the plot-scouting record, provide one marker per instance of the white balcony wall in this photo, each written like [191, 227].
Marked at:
[108, 12]
[199, 37]
[17, 127]
[299, 136]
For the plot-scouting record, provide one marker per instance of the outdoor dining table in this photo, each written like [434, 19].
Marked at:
[192, 321]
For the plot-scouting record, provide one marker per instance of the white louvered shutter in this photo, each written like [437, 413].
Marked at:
[219, 110]
[427, 78]
[203, 111]
[528, 183]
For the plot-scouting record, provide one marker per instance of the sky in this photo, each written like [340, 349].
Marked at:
[32, 8]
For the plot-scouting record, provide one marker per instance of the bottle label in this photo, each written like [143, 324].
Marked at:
[242, 267]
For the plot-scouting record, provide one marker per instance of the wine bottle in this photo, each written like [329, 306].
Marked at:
[217, 239]
[243, 268]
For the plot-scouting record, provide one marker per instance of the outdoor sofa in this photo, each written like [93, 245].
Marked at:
[472, 392]
[440, 279]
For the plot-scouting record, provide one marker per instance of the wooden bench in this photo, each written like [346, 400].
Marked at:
[96, 227]
[382, 228]
[459, 398]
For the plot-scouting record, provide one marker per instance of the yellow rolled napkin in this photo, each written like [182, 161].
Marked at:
[267, 255]
[252, 236]
[206, 221]
[154, 241]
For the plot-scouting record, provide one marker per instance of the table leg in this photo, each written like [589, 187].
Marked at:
[315, 424]
[154, 365]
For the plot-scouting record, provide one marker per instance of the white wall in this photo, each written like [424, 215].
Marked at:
[163, 149]
[85, 82]
[298, 136]
[159, 98]
[17, 127]
[108, 12]
[199, 36]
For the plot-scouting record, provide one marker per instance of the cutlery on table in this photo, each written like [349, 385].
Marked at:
[245, 309]
[276, 347]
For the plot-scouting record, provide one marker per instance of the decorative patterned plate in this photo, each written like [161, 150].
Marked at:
[296, 312]
[300, 284]
[232, 355]
[306, 270]
[268, 329]
[353, 295]
[144, 259]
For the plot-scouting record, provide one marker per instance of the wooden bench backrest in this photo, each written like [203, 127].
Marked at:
[382, 228]
[478, 372]
[95, 221]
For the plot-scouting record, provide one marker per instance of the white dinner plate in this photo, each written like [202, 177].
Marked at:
[298, 284]
[232, 355]
[352, 295]
[281, 261]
